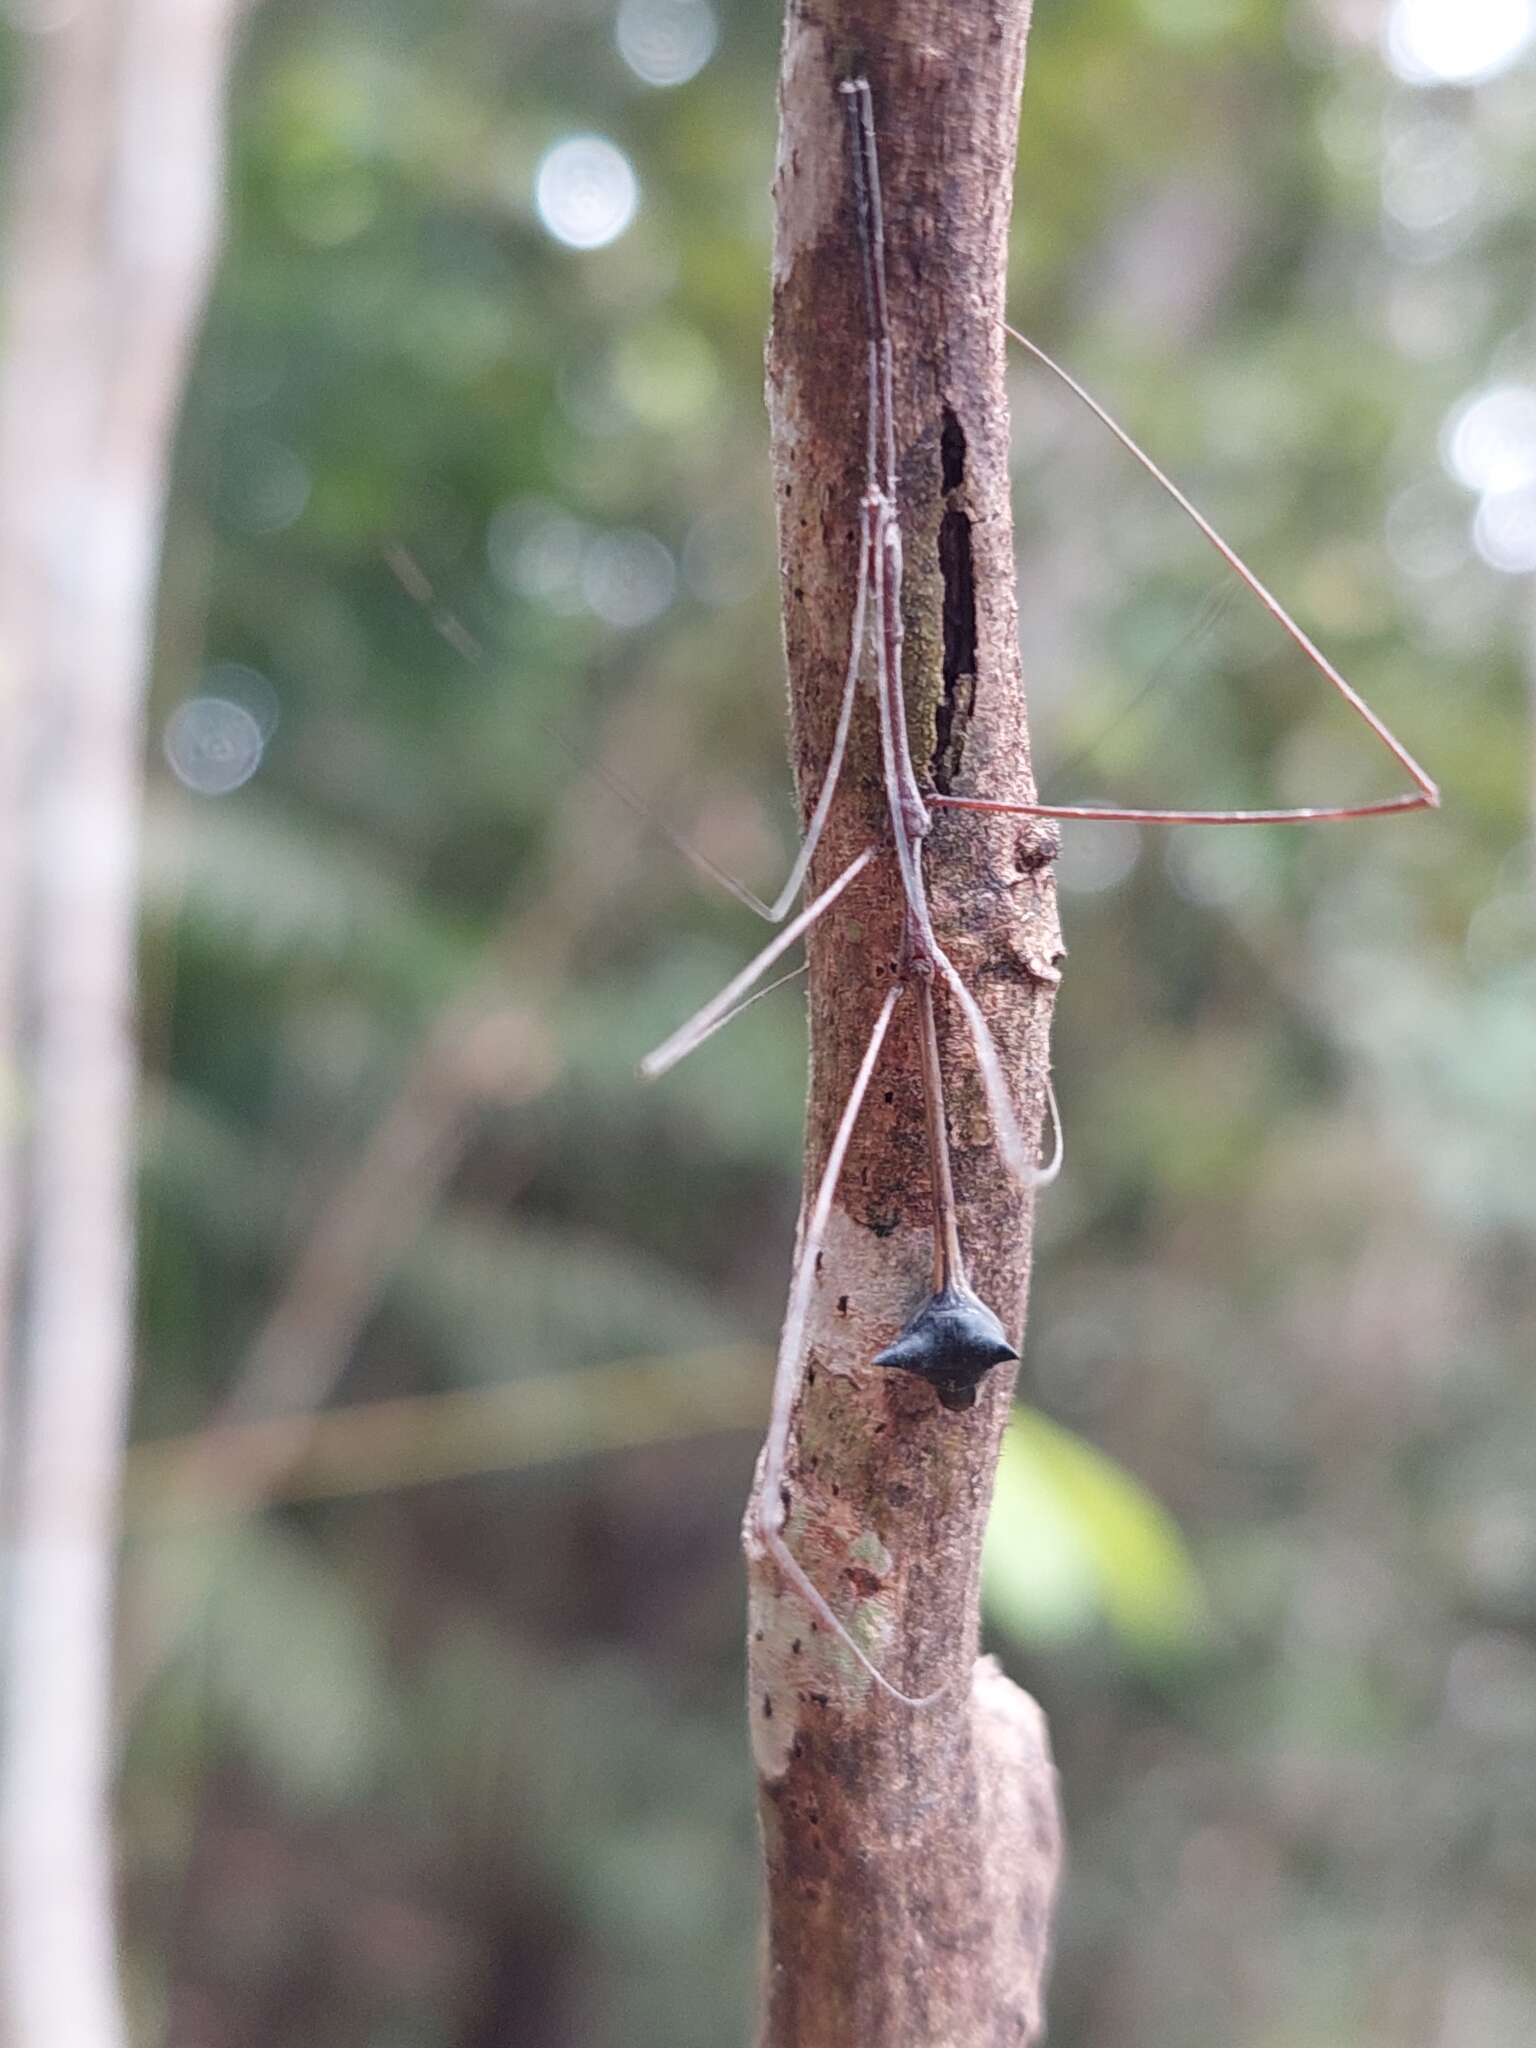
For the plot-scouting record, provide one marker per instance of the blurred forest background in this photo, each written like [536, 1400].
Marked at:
[431, 1706]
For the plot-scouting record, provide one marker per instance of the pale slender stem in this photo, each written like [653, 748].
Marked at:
[447, 624]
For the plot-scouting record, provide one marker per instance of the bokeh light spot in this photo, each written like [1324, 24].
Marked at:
[1489, 443]
[666, 42]
[1432, 174]
[535, 550]
[212, 745]
[1457, 42]
[1504, 531]
[247, 687]
[264, 488]
[628, 579]
[586, 192]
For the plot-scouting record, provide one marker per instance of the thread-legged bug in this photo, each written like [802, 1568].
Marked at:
[951, 1338]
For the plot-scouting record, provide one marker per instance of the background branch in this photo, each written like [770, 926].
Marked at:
[115, 199]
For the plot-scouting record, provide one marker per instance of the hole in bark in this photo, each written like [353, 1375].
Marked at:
[953, 712]
[952, 451]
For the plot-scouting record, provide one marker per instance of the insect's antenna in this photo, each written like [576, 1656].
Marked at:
[1218, 601]
[768, 1520]
[448, 625]
[757, 996]
[1425, 794]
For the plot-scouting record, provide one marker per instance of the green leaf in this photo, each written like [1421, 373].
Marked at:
[1075, 1542]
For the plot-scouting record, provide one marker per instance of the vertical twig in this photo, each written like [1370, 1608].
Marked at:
[114, 182]
[911, 1856]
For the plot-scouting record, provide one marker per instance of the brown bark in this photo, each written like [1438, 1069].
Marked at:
[911, 1855]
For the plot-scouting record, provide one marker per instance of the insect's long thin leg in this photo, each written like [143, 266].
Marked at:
[768, 1519]
[1011, 1142]
[777, 910]
[948, 1258]
[1218, 600]
[714, 1013]
[871, 562]
[1105, 814]
[1424, 796]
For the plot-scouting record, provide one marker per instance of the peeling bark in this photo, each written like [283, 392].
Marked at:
[911, 1856]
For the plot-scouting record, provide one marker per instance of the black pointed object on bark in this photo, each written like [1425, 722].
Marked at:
[953, 1342]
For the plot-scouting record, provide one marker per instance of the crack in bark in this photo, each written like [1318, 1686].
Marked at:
[952, 714]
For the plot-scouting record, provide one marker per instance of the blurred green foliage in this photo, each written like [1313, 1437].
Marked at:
[460, 1764]
[1074, 1542]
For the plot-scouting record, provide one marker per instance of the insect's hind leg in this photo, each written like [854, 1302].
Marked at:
[766, 1517]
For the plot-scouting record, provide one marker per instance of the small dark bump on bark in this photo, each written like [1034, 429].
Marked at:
[1038, 845]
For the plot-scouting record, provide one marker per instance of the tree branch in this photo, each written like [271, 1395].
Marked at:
[114, 199]
[911, 1856]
